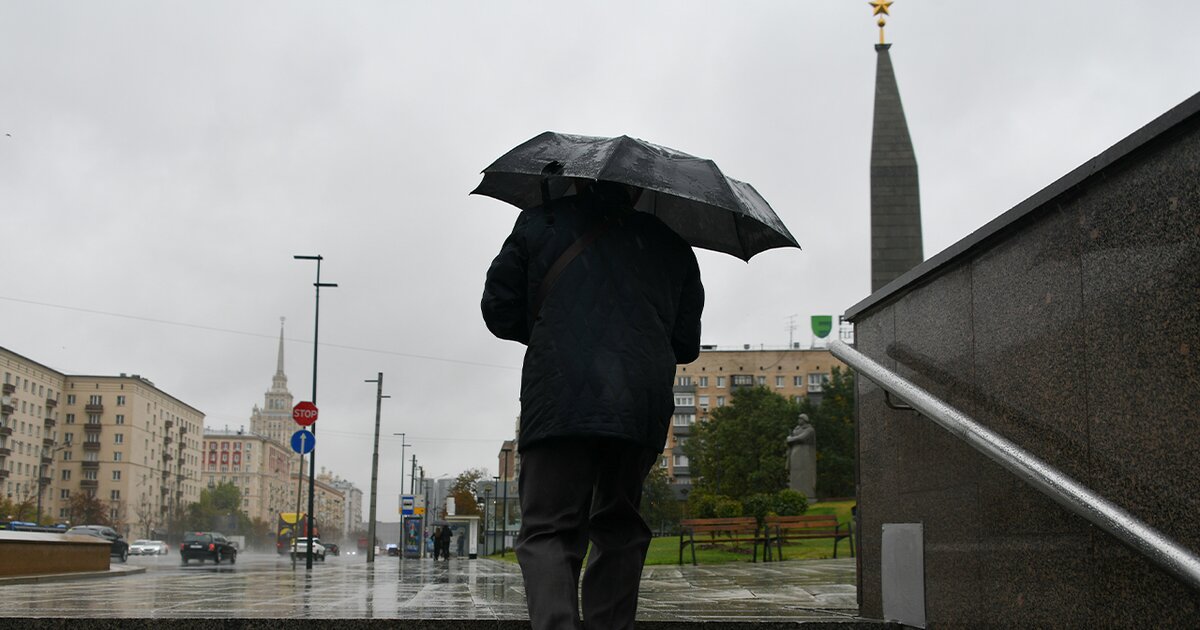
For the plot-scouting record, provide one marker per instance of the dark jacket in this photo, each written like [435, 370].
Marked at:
[602, 350]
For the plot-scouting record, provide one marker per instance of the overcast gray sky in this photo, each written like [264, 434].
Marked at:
[167, 159]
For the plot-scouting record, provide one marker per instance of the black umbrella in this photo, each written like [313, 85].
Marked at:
[689, 194]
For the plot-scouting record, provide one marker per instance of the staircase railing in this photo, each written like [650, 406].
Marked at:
[1155, 546]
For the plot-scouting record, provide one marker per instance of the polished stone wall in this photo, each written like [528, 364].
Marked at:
[1071, 326]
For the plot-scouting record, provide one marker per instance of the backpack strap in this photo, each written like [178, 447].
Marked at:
[559, 265]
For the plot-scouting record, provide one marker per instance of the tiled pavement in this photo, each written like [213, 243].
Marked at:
[266, 587]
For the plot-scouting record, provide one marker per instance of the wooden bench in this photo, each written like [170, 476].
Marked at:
[780, 529]
[720, 531]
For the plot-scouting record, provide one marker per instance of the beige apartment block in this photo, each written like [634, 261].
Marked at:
[329, 504]
[259, 466]
[29, 426]
[709, 382]
[131, 445]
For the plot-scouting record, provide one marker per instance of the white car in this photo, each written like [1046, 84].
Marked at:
[300, 549]
[148, 548]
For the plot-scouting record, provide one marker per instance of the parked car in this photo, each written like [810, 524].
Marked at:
[300, 549]
[393, 549]
[119, 548]
[148, 548]
[206, 546]
[333, 550]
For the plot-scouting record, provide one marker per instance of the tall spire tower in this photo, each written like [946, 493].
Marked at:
[274, 419]
[895, 196]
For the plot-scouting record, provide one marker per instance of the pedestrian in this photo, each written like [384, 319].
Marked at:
[437, 542]
[444, 542]
[607, 300]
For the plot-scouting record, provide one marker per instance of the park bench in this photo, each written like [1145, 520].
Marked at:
[720, 531]
[780, 529]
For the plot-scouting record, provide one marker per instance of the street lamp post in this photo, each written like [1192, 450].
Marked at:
[504, 536]
[487, 499]
[43, 480]
[400, 545]
[374, 467]
[312, 456]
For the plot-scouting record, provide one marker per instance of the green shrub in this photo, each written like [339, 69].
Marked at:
[702, 505]
[728, 508]
[789, 503]
[759, 506]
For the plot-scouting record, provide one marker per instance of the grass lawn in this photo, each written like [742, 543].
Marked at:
[665, 549]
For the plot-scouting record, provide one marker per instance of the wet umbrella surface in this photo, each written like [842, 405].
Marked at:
[689, 194]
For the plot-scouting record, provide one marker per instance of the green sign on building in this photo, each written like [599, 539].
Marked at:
[821, 325]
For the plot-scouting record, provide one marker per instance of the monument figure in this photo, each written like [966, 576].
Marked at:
[802, 458]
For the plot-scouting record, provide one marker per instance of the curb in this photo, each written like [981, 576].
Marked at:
[118, 571]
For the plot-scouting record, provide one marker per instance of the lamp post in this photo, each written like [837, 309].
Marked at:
[400, 546]
[312, 456]
[504, 536]
[43, 480]
[487, 499]
[374, 466]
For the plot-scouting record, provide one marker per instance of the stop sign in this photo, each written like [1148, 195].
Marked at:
[304, 413]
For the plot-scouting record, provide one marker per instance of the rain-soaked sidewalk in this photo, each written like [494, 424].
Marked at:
[264, 587]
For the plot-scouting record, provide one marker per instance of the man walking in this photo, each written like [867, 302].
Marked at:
[607, 301]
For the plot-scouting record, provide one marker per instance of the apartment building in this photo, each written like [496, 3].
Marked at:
[29, 419]
[709, 382]
[260, 467]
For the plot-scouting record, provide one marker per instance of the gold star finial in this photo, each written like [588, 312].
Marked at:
[881, 9]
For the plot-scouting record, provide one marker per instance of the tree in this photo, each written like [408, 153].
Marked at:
[659, 507]
[219, 508]
[86, 509]
[742, 449]
[465, 491]
[833, 419]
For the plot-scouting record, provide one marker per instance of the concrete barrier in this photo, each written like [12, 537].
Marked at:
[31, 553]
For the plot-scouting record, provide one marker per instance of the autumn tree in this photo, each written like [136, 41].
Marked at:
[465, 491]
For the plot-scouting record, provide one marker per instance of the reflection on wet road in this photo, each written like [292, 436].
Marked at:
[267, 586]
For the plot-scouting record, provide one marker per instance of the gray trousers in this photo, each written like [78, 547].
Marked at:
[574, 491]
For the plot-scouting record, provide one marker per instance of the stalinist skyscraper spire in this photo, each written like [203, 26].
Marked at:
[895, 196]
[274, 420]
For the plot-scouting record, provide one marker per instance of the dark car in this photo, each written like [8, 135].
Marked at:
[332, 549]
[207, 546]
[119, 548]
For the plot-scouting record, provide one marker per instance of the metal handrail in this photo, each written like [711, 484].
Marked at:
[1155, 546]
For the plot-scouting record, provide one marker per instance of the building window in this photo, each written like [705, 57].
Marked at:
[70, 399]
[817, 381]
[95, 399]
[116, 456]
[685, 380]
[115, 495]
[120, 419]
[67, 456]
[683, 419]
[70, 418]
[64, 494]
[720, 381]
[778, 381]
[68, 438]
[762, 381]
[703, 381]
[662, 462]
[703, 402]
[90, 474]
[116, 475]
[119, 438]
[681, 460]
[797, 381]
[742, 380]
[720, 401]
[120, 401]
[93, 418]
[66, 475]
[685, 400]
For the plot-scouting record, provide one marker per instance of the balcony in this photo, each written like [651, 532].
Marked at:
[180, 477]
[91, 446]
[47, 458]
[5, 451]
[48, 442]
[6, 409]
[681, 430]
[50, 422]
[93, 428]
[89, 483]
[167, 440]
[166, 475]
[182, 431]
[168, 424]
[51, 403]
[91, 464]
[3, 473]
[164, 490]
[45, 481]
[5, 430]
[93, 408]
[9, 388]
[167, 457]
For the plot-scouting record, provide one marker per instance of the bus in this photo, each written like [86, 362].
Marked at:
[291, 526]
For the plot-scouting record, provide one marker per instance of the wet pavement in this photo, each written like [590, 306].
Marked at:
[265, 586]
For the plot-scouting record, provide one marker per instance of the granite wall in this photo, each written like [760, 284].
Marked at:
[1071, 326]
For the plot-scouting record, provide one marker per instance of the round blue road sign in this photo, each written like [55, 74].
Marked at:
[303, 441]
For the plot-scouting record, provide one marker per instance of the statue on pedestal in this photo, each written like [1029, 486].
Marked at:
[802, 458]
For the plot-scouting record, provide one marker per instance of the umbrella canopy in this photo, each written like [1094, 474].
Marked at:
[690, 194]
